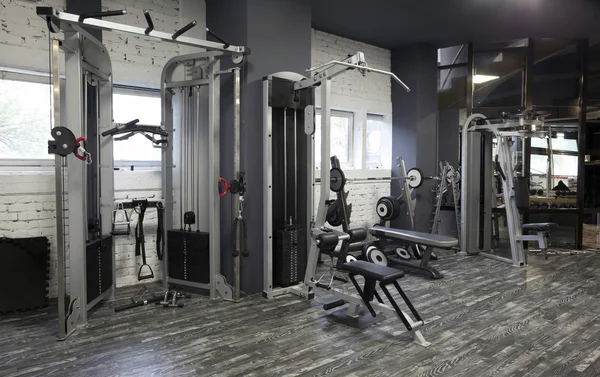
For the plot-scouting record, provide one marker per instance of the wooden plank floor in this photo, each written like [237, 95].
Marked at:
[485, 318]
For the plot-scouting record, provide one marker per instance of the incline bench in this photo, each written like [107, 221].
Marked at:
[373, 275]
[425, 239]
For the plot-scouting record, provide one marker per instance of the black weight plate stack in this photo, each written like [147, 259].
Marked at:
[289, 256]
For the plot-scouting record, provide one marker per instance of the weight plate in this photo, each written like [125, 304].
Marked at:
[337, 179]
[376, 256]
[415, 176]
[417, 251]
[388, 208]
[350, 258]
[402, 253]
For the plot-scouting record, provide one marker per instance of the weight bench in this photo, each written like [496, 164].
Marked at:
[542, 235]
[385, 276]
[425, 239]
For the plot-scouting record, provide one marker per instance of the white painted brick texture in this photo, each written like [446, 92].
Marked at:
[355, 93]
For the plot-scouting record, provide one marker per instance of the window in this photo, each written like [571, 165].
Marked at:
[374, 141]
[142, 105]
[342, 127]
[24, 119]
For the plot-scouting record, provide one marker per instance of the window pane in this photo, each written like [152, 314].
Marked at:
[147, 109]
[538, 142]
[340, 138]
[539, 164]
[453, 55]
[24, 119]
[498, 79]
[564, 145]
[374, 141]
[565, 165]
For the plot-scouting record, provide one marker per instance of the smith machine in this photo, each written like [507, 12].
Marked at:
[193, 81]
[289, 226]
[477, 169]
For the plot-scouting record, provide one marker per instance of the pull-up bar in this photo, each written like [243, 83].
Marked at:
[69, 21]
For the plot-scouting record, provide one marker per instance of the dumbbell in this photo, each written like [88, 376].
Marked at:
[540, 192]
[532, 192]
[544, 205]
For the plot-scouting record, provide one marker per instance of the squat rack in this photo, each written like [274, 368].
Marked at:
[88, 64]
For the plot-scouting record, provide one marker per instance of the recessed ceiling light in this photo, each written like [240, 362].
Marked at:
[480, 79]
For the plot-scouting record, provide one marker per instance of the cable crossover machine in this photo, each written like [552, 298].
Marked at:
[190, 92]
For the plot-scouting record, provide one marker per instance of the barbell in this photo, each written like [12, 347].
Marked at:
[415, 178]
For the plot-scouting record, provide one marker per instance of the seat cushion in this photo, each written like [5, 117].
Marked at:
[419, 238]
[540, 227]
[373, 271]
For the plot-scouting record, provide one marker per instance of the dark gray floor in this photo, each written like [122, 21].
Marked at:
[485, 318]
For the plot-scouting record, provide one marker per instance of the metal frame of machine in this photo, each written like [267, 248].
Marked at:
[205, 89]
[476, 171]
[87, 62]
[322, 76]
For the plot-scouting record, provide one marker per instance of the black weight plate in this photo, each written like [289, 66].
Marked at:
[337, 179]
[402, 253]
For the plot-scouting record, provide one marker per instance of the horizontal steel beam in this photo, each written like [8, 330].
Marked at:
[65, 21]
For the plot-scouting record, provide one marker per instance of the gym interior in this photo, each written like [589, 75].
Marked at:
[299, 188]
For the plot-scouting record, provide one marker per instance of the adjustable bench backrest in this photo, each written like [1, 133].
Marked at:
[419, 238]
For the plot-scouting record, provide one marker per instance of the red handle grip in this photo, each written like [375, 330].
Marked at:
[225, 185]
[76, 150]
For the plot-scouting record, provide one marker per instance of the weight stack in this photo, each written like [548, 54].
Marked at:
[289, 256]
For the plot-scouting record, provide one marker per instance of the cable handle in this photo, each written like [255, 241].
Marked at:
[226, 186]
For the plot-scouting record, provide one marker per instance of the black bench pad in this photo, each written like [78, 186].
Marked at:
[540, 227]
[372, 271]
[419, 238]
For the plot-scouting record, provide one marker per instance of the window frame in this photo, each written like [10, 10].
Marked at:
[37, 77]
[350, 164]
[138, 92]
[370, 166]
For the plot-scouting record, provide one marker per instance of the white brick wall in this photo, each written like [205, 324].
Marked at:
[27, 209]
[351, 91]
[355, 93]
[136, 62]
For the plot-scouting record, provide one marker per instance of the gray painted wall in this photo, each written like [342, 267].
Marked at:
[414, 135]
[279, 34]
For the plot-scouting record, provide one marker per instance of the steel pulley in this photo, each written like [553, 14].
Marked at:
[337, 179]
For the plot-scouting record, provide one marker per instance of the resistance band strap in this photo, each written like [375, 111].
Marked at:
[140, 247]
[160, 236]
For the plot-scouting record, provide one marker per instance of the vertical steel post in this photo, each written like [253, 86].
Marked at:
[77, 174]
[214, 83]
[583, 51]
[58, 162]
[236, 205]
[313, 255]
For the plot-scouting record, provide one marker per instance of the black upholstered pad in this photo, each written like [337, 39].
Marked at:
[419, 238]
[373, 271]
[540, 227]
[357, 235]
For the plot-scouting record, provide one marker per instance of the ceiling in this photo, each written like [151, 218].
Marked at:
[393, 23]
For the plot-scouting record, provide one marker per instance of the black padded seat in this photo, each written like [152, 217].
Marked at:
[540, 227]
[372, 271]
[419, 238]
